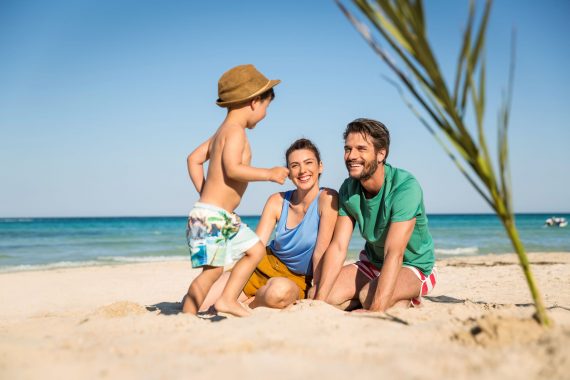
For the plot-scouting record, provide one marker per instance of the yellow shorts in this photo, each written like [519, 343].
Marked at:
[270, 266]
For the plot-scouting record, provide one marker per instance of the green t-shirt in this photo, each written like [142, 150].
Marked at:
[399, 199]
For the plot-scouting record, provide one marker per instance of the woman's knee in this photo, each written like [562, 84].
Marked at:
[280, 292]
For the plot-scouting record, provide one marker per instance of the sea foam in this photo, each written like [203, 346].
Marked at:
[103, 260]
[457, 251]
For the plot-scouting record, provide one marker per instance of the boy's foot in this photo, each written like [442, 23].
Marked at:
[231, 307]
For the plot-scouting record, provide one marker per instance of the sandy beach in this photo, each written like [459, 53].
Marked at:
[123, 322]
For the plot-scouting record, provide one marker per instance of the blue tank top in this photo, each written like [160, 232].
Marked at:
[294, 247]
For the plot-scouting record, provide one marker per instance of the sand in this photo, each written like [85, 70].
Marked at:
[123, 322]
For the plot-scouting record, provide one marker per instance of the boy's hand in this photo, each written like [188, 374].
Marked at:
[278, 174]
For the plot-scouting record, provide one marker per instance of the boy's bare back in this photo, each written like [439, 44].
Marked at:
[228, 147]
[228, 150]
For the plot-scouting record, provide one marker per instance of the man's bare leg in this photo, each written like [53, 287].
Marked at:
[278, 293]
[199, 288]
[228, 301]
[407, 287]
[346, 289]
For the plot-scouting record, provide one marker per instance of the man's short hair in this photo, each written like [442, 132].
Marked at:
[373, 129]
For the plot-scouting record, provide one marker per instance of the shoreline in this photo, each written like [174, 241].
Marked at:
[124, 322]
[127, 260]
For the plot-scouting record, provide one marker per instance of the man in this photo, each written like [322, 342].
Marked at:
[397, 263]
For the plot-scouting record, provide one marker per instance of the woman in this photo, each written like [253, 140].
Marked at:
[305, 219]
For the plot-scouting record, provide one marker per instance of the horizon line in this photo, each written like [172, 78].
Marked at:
[253, 215]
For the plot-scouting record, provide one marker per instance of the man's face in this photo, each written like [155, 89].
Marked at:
[360, 158]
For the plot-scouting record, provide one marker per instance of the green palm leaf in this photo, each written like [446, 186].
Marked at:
[401, 23]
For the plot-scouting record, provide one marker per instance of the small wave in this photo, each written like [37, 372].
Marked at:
[16, 220]
[104, 260]
[140, 259]
[457, 251]
[58, 265]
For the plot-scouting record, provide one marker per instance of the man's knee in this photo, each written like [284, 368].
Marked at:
[345, 291]
[280, 293]
[335, 298]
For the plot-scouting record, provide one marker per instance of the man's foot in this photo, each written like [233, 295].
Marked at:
[231, 307]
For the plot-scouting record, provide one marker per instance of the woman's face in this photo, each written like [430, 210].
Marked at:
[304, 169]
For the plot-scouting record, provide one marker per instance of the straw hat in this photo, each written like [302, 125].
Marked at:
[242, 83]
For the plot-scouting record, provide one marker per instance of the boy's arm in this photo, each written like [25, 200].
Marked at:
[234, 167]
[398, 237]
[334, 256]
[195, 164]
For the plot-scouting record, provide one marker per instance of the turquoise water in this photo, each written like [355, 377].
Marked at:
[59, 242]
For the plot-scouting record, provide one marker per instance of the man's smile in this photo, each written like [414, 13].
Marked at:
[353, 164]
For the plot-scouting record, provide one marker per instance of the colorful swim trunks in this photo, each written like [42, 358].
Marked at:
[270, 266]
[428, 282]
[216, 237]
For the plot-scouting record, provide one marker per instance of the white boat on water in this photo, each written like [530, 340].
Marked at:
[556, 222]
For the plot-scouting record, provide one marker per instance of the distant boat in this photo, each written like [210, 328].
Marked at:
[556, 222]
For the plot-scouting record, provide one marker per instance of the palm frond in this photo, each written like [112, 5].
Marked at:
[402, 24]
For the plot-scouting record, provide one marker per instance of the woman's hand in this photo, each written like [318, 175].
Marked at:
[311, 293]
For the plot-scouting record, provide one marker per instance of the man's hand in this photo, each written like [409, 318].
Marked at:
[278, 174]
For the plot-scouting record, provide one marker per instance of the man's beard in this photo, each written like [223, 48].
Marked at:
[368, 170]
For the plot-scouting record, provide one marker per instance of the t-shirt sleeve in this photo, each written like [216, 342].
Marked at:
[342, 199]
[407, 201]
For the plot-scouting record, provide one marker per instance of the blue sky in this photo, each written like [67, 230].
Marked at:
[101, 101]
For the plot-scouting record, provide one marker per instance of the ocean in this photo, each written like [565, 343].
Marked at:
[40, 243]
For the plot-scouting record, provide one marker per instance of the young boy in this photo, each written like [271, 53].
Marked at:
[215, 234]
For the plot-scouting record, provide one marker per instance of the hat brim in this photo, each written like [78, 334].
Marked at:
[272, 83]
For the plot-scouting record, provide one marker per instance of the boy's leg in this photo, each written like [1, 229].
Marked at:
[216, 291]
[199, 289]
[241, 272]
